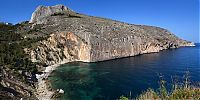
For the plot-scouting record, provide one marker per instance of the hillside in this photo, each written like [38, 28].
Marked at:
[56, 34]
[78, 37]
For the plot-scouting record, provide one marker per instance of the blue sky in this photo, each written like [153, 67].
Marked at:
[179, 16]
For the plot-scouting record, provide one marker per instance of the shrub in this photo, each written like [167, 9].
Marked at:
[73, 16]
[58, 14]
[123, 98]
[183, 92]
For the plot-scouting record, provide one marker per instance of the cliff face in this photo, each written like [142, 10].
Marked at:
[62, 46]
[77, 37]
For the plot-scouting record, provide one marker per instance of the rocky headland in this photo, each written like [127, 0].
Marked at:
[67, 36]
[78, 37]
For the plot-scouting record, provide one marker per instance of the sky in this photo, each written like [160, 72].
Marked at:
[181, 17]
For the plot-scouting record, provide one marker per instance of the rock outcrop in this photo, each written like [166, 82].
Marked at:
[42, 12]
[78, 37]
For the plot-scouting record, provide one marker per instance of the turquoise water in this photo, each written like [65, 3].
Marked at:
[109, 80]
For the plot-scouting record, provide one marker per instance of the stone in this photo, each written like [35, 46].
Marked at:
[61, 91]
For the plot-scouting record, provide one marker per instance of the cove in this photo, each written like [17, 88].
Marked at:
[108, 80]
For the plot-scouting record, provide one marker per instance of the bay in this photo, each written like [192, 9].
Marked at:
[130, 76]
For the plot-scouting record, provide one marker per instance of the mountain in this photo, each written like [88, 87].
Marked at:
[78, 37]
[56, 34]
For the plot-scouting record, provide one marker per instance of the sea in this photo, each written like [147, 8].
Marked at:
[131, 76]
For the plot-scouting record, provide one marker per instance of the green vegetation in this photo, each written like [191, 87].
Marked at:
[182, 92]
[179, 93]
[58, 14]
[68, 15]
[123, 98]
[12, 54]
[73, 16]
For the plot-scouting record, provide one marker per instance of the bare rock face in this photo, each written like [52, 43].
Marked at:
[63, 46]
[78, 37]
[42, 12]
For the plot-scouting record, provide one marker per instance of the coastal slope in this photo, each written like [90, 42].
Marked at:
[55, 35]
[78, 37]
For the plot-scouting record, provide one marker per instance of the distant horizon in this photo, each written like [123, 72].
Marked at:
[178, 16]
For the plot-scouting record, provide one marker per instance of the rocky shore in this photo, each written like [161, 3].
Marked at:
[57, 35]
[78, 37]
[43, 89]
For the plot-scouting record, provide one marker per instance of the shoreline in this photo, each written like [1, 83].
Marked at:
[43, 92]
[190, 45]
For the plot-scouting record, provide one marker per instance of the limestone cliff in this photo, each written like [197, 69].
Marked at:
[63, 46]
[78, 37]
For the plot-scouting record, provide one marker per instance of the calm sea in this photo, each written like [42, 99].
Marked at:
[131, 76]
